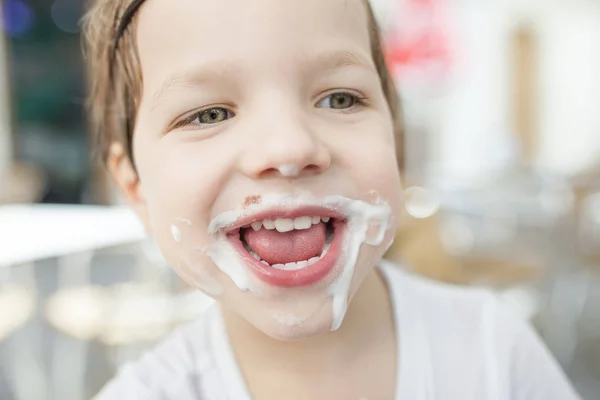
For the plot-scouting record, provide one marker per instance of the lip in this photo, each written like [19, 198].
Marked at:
[306, 276]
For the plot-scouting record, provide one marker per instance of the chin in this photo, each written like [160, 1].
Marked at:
[291, 328]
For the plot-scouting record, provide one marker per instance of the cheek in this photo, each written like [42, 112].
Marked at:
[373, 165]
[180, 182]
[373, 162]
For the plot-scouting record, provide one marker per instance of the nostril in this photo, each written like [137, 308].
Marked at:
[270, 173]
[289, 171]
[312, 169]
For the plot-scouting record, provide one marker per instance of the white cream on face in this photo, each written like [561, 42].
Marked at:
[289, 171]
[195, 274]
[176, 233]
[289, 320]
[360, 217]
[227, 259]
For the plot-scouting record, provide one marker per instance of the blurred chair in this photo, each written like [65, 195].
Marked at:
[512, 219]
[124, 317]
[17, 306]
[6, 392]
[30, 233]
[505, 233]
[526, 221]
[575, 296]
[588, 247]
[589, 230]
[509, 220]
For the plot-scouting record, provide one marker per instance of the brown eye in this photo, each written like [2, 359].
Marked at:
[338, 101]
[341, 101]
[212, 116]
[205, 118]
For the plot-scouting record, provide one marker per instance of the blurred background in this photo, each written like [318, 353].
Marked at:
[501, 168]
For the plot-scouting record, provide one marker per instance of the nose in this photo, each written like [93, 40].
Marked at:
[286, 147]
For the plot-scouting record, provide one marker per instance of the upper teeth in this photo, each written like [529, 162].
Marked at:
[288, 224]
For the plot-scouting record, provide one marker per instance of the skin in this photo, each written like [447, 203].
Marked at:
[273, 71]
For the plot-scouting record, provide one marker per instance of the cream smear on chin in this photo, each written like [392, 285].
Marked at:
[366, 223]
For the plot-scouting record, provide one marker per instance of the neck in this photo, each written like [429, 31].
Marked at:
[369, 317]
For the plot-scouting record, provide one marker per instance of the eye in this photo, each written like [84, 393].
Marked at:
[341, 101]
[212, 116]
[205, 118]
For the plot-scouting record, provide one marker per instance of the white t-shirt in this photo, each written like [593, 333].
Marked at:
[454, 343]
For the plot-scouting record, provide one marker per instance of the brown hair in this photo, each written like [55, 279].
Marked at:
[115, 83]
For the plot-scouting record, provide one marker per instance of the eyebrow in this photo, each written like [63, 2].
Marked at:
[213, 71]
[200, 76]
[341, 58]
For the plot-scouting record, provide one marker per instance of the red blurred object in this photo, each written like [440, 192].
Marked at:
[419, 43]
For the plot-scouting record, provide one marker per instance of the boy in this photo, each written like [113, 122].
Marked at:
[256, 141]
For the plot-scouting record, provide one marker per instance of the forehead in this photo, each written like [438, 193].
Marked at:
[256, 35]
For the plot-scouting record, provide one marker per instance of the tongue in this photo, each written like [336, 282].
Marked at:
[281, 248]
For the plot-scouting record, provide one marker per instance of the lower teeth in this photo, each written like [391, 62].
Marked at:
[291, 266]
[294, 265]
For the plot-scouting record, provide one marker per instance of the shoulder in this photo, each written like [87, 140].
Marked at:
[455, 322]
[461, 309]
[169, 370]
[437, 297]
[475, 328]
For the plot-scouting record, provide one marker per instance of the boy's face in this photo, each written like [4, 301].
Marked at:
[259, 111]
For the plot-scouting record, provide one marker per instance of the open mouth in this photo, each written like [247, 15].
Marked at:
[290, 251]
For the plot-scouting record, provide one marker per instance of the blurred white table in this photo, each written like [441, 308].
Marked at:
[35, 232]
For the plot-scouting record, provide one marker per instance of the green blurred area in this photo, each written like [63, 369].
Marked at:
[48, 92]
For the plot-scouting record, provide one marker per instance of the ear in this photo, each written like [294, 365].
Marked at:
[128, 182]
